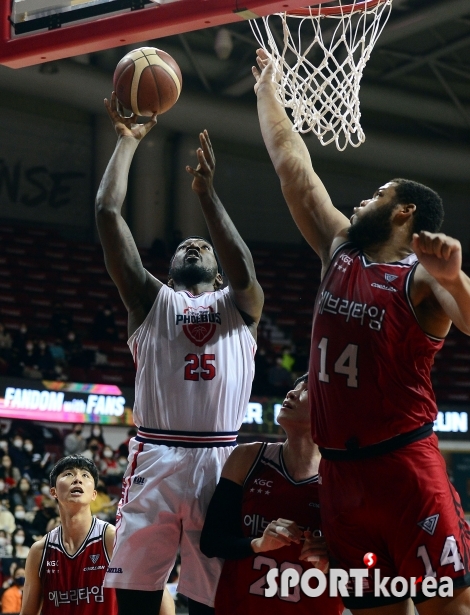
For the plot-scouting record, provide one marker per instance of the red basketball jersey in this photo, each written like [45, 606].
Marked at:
[73, 584]
[270, 493]
[370, 361]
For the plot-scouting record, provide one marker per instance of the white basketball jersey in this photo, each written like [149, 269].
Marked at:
[194, 358]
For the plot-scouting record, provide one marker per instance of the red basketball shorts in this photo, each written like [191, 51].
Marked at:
[400, 506]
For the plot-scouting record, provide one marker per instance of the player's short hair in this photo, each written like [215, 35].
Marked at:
[429, 213]
[71, 462]
[219, 266]
[303, 378]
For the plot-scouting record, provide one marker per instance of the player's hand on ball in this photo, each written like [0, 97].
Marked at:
[279, 533]
[314, 551]
[127, 126]
[439, 254]
[264, 73]
[203, 175]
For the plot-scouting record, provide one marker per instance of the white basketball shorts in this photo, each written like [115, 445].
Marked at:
[166, 492]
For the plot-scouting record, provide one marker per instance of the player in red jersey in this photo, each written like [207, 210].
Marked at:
[261, 482]
[392, 285]
[66, 568]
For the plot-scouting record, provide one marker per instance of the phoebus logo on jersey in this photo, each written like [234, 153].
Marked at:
[198, 323]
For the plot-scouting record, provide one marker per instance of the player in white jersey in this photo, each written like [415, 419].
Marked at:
[193, 344]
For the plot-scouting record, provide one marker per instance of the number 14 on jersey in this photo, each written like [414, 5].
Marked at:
[345, 364]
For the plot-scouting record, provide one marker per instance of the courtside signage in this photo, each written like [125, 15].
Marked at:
[65, 402]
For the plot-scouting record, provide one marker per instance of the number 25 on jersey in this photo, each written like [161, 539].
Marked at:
[199, 367]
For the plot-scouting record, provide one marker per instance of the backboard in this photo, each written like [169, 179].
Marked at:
[36, 31]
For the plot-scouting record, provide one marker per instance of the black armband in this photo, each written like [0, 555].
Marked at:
[222, 534]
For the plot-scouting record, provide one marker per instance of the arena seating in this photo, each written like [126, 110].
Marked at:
[39, 268]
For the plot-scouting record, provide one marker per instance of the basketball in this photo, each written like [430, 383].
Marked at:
[147, 81]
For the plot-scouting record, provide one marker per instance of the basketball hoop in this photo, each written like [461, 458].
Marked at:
[318, 66]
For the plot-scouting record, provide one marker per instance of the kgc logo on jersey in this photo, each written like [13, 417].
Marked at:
[198, 323]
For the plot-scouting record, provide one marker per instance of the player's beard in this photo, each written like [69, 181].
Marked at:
[191, 274]
[373, 228]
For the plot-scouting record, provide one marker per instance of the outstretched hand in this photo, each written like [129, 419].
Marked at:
[203, 175]
[264, 73]
[127, 126]
[277, 534]
[439, 254]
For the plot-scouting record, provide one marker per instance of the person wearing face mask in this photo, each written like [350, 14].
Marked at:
[19, 457]
[93, 451]
[20, 550]
[109, 468]
[23, 495]
[96, 434]
[74, 443]
[12, 597]
[10, 474]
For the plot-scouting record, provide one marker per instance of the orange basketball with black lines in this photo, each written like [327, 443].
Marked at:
[147, 81]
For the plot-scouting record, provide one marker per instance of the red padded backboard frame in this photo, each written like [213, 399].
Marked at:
[127, 28]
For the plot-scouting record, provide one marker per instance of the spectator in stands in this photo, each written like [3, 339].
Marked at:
[44, 498]
[20, 550]
[23, 495]
[10, 474]
[103, 506]
[19, 456]
[74, 443]
[28, 450]
[44, 360]
[97, 434]
[24, 520]
[104, 326]
[109, 468]
[28, 360]
[123, 449]
[57, 352]
[7, 520]
[43, 517]
[21, 337]
[279, 378]
[73, 350]
[61, 321]
[13, 596]
[93, 451]
[5, 544]
[37, 470]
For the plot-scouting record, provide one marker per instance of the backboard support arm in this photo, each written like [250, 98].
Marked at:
[151, 22]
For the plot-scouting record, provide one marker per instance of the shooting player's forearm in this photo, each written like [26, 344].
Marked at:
[113, 187]
[232, 251]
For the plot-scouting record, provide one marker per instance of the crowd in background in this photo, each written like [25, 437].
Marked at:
[27, 510]
[49, 352]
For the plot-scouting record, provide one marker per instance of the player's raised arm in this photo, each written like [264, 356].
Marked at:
[306, 196]
[136, 286]
[441, 290]
[232, 251]
[32, 592]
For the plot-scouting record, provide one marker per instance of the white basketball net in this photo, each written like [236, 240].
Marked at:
[318, 67]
